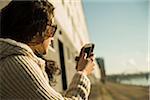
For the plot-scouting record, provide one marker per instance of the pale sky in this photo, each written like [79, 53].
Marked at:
[119, 29]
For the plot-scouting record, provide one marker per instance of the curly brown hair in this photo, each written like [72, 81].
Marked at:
[21, 20]
[52, 71]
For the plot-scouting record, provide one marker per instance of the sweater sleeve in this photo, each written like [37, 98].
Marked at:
[79, 87]
[23, 79]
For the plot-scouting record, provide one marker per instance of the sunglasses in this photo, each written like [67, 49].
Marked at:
[51, 30]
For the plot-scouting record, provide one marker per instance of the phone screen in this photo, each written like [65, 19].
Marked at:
[89, 49]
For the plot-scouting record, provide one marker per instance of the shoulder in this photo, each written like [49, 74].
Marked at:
[18, 62]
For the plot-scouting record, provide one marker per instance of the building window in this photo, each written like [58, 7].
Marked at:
[52, 43]
[68, 11]
[68, 53]
[60, 32]
[73, 56]
[63, 2]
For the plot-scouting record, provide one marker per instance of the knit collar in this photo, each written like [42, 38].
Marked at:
[11, 47]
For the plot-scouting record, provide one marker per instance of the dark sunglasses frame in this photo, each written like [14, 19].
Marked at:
[53, 30]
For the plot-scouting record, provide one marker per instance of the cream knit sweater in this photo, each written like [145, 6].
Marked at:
[23, 77]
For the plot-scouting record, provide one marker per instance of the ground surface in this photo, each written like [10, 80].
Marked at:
[116, 91]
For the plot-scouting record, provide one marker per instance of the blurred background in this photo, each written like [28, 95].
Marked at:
[121, 33]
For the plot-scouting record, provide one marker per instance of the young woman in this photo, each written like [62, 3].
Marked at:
[27, 30]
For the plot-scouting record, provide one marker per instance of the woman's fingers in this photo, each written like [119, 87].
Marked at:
[92, 57]
[84, 63]
[92, 54]
[89, 66]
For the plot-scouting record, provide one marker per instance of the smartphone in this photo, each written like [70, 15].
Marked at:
[88, 49]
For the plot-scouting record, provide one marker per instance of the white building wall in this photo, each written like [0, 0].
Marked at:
[70, 17]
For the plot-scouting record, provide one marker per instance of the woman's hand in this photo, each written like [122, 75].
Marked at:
[86, 65]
